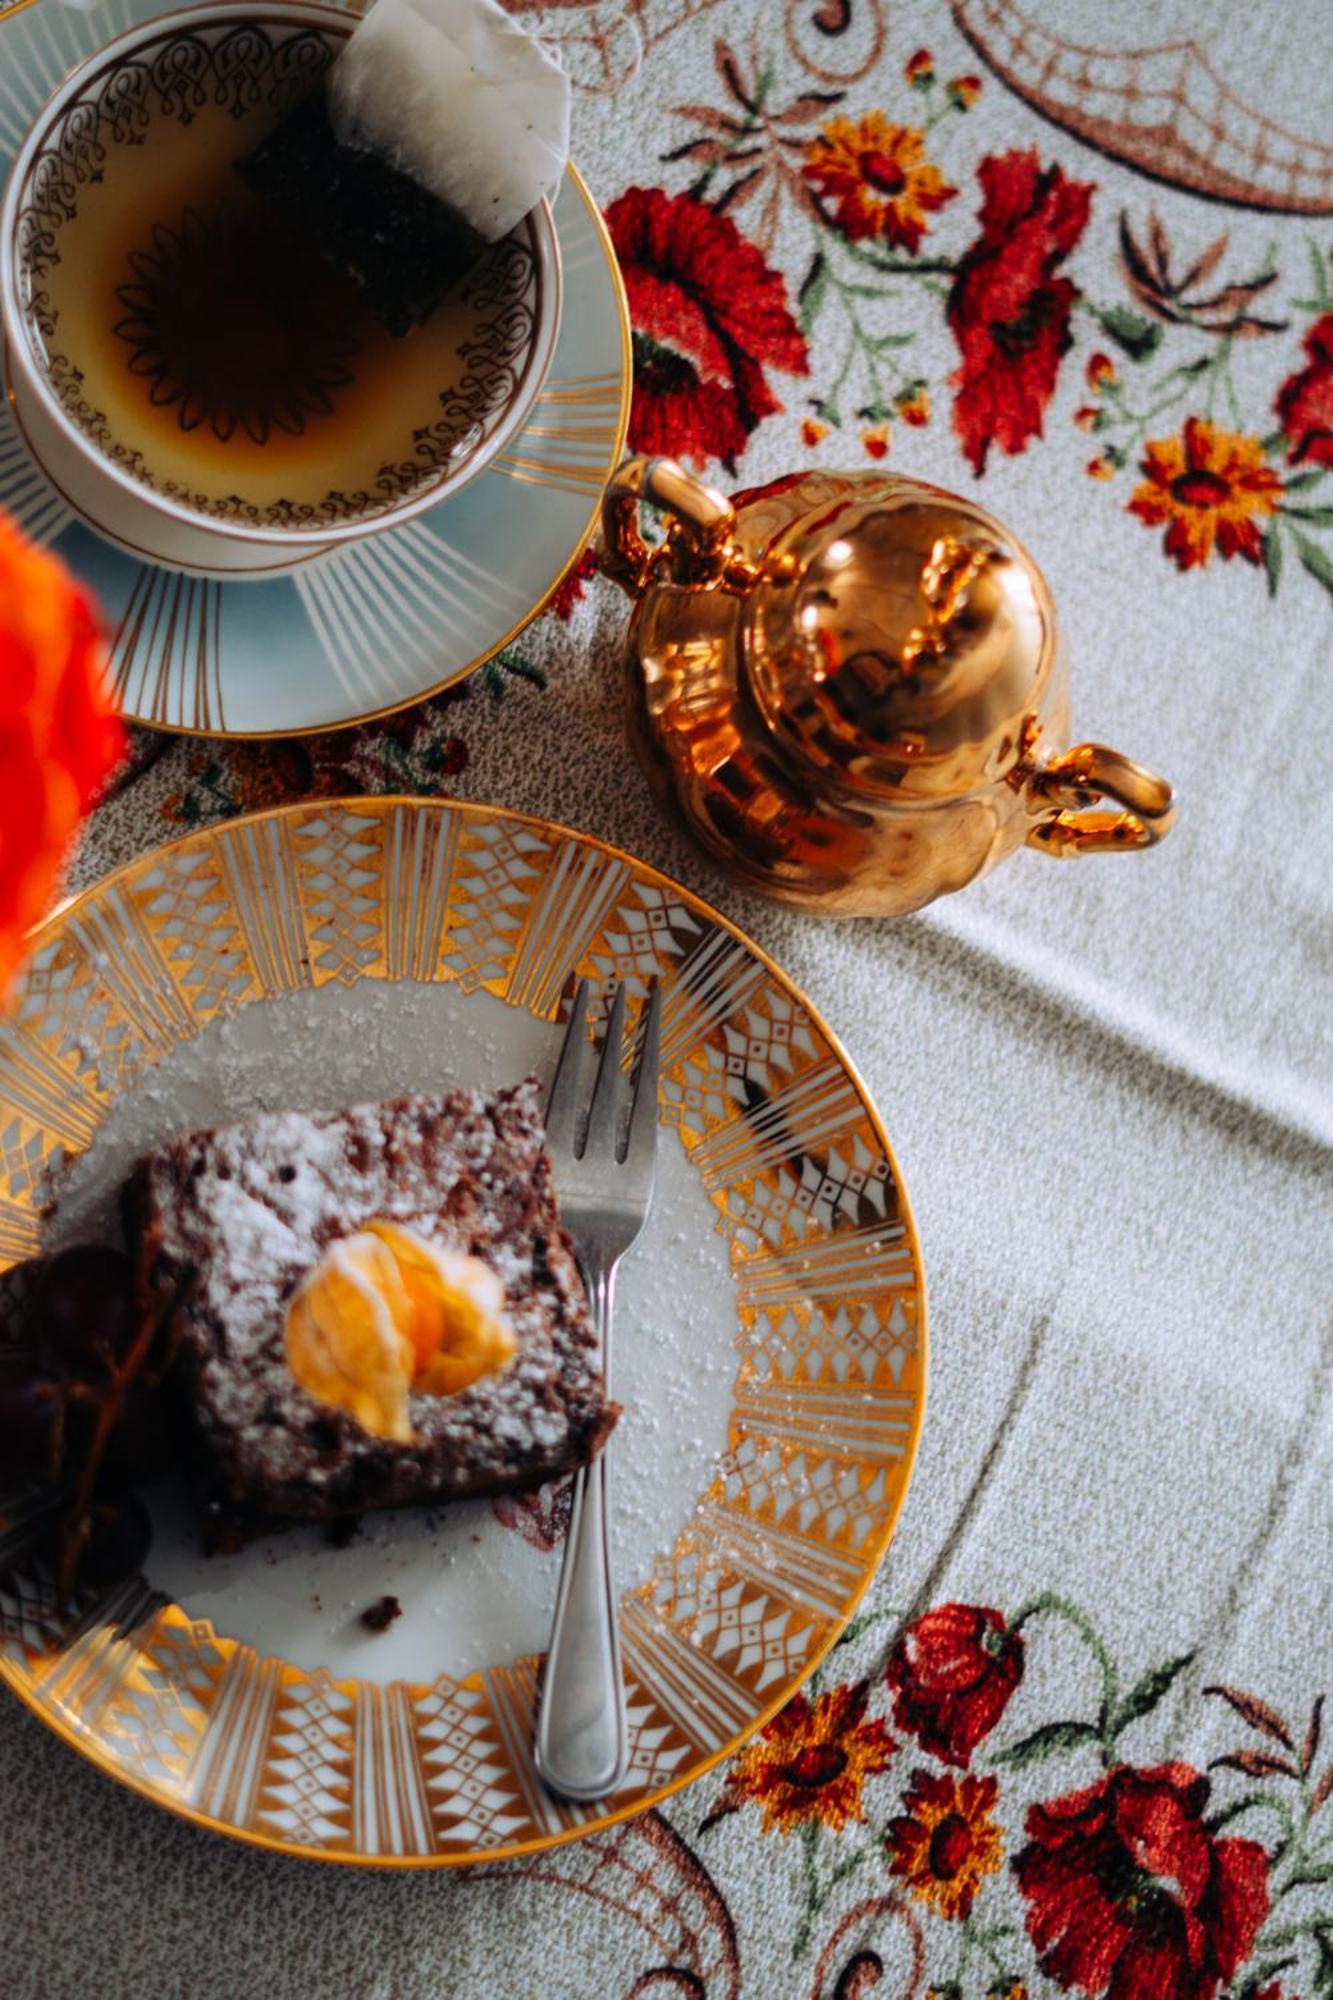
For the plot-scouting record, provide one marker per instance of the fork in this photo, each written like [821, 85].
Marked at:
[603, 1161]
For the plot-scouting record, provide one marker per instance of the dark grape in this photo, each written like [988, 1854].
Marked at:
[142, 1444]
[83, 1311]
[32, 1425]
[119, 1537]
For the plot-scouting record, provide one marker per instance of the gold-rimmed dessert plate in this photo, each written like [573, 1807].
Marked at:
[772, 1366]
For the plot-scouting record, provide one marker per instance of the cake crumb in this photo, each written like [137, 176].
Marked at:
[378, 1617]
[342, 1530]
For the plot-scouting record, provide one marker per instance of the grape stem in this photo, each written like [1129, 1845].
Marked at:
[76, 1522]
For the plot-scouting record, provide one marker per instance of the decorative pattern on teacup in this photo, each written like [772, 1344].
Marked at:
[240, 70]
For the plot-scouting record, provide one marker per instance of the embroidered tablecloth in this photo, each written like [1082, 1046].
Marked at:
[1078, 260]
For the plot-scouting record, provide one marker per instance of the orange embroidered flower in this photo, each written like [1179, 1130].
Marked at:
[913, 406]
[812, 430]
[1099, 468]
[58, 732]
[1086, 417]
[1100, 372]
[964, 91]
[1211, 487]
[946, 1842]
[876, 441]
[920, 69]
[876, 178]
[811, 1761]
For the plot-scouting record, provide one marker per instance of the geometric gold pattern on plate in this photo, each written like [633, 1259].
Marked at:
[750, 1589]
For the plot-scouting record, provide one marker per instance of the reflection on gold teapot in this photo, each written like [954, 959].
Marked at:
[852, 689]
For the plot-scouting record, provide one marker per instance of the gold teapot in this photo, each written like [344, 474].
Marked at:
[852, 688]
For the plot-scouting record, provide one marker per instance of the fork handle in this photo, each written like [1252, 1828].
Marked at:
[581, 1747]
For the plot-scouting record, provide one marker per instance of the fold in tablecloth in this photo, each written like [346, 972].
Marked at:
[1074, 1744]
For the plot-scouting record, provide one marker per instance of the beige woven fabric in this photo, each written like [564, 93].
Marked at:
[1110, 1087]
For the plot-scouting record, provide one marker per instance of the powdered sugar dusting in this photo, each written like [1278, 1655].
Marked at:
[472, 1592]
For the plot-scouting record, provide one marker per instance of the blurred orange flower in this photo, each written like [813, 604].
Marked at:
[58, 731]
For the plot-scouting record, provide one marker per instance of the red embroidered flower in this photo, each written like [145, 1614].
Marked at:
[1008, 311]
[569, 590]
[1305, 401]
[952, 1675]
[946, 1843]
[964, 91]
[1212, 488]
[913, 405]
[708, 314]
[1128, 1893]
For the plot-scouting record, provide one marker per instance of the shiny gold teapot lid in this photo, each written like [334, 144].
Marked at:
[893, 633]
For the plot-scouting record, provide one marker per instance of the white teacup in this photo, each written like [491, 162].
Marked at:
[86, 306]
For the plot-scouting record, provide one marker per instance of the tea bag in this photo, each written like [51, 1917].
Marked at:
[455, 94]
[440, 126]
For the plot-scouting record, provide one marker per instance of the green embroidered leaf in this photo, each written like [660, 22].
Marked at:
[1045, 1742]
[1316, 560]
[1272, 545]
[813, 292]
[1303, 480]
[1323, 1986]
[1262, 1974]
[1133, 335]
[1318, 517]
[1146, 1693]
[1319, 276]
[1312, 1875]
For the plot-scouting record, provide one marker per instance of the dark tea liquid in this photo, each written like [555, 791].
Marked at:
[222, 348]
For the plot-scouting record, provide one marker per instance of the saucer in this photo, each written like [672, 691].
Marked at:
[351, 634]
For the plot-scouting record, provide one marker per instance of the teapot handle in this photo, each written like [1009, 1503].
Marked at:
[707, 521]
[1063, 792]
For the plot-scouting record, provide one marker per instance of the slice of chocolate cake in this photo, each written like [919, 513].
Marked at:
[237, 1220]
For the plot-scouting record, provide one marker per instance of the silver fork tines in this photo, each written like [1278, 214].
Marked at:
[603, 1150]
